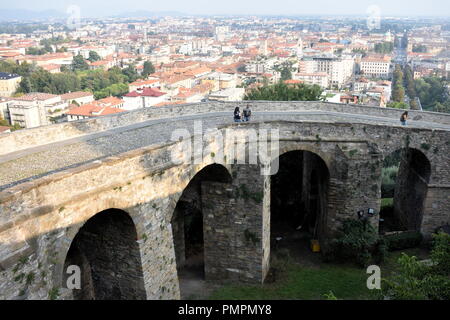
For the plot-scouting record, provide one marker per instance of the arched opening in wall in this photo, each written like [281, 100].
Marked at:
[187, 229]
[299, 198]
[107, 252]
[405, 177]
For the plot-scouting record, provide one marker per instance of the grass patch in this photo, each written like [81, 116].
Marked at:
[305, 283]
[387, 203]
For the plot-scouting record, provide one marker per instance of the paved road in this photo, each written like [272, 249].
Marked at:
[35, 162]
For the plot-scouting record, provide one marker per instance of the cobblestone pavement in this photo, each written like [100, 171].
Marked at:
[32, 163]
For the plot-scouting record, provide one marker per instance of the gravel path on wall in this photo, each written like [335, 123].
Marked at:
[40, 161]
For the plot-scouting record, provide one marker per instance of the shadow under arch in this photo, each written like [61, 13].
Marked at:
[105, 248]
[406, 175]
[299, 202]
[188, 227]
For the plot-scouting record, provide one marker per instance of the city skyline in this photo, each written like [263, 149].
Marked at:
[103, 8]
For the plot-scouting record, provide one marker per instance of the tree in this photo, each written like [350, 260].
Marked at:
[130, 73]
[397, 105]
[442, 107]
[79, 63]
[36, 51]
[409, 82]
[25, 85]
[433, 94]
[93, 56]
[283, 92]
[419, 48]
[413, 105]
[286, 74]
[398, 93]
[384, 48]
[242, 68]
[148, 69]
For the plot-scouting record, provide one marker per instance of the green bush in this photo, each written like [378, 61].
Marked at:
[357, 241]
[419, 281]
[440, 254]
[403, 240]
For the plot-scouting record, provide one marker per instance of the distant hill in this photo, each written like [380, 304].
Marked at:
[29, 15]
[146, 14]
[23, 15]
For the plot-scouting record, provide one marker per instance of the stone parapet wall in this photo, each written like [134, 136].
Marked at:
[27, 138]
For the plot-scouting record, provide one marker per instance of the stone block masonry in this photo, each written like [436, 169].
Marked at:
[40, 219]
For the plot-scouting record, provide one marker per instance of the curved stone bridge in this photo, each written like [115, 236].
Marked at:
[105, 194]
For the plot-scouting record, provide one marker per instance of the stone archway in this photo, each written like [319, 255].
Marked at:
[299, 201]
[107, 252]
[188, 223]
[406, 174]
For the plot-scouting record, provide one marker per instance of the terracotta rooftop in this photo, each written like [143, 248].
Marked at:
[146, 92]
[76, 95]
[36, 96]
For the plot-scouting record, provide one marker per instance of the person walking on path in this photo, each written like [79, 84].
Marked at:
[247, 113]
[404, 118]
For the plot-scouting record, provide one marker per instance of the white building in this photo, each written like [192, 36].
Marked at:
[143, 98]
[318, 78]
[376, 67]
[80, 97]
[231, 94]
[339, 70]
[36, 109]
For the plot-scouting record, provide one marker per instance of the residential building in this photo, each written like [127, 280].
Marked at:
[102, 107]
[37, 109]
[231, 94]
[9, 83]
[141, 84]
[376, 67]
[318, 78]
[143, 98]
[339, 70]
[79, 97]
[4, 108]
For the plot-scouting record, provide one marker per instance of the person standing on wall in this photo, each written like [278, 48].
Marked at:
[247, 113]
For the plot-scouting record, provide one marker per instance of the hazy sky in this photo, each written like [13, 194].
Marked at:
[91, 8]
